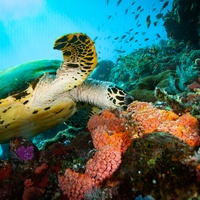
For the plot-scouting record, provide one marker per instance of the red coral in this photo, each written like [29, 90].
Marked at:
[31, 191]
[5, 170]
[41, 168]
[194, 85]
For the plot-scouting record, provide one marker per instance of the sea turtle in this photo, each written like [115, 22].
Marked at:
[39, 95]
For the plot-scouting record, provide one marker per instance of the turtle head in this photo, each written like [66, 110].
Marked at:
[102, 94]
[118, 97]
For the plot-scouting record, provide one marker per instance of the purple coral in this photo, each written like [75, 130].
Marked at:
[25, 153]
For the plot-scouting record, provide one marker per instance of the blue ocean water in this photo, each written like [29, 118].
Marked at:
[29, 28]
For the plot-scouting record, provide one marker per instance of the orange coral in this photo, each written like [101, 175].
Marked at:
[111, 139]
[103, 164]
[149, 119]
[102, 136]
[185, 128]
[74, 184]
[107, 119]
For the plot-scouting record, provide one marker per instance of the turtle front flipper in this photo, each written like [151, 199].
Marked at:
[79, 57]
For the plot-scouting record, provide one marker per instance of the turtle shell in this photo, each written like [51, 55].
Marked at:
[18, 78]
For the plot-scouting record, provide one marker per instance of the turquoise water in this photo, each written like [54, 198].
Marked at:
[29, 28]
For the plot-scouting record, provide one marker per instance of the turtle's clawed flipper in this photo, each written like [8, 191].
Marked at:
[79, 56]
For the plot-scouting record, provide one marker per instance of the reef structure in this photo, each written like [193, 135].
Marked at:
[113, 134]
[141, 151]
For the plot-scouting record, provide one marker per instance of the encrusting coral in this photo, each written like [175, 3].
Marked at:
[111, 139]
[112, 135]
[148, 119]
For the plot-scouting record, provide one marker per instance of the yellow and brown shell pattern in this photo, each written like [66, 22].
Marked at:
[45, 103]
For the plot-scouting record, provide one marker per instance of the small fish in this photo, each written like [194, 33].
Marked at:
[136, 16]
[116, 38]
[109, 37]
[164, 6]
[139, 8]
[131, 30]
[138, 25]
[155, 23]
[109, 17]
[158, 35]
[143, 33]
[120, 51]
[119, 2]
[131, 38]
[126, 11]
[146, 39]
[153, 9]
[159, 16]
[123, 37]
[133, 12]
[95, 38]
[148, 18]
[133, 3]
[136, 40]
[136, 33]
[148, 21]
[107, 2]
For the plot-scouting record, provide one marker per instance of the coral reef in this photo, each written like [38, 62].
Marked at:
[168, 65]
[143, 151]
